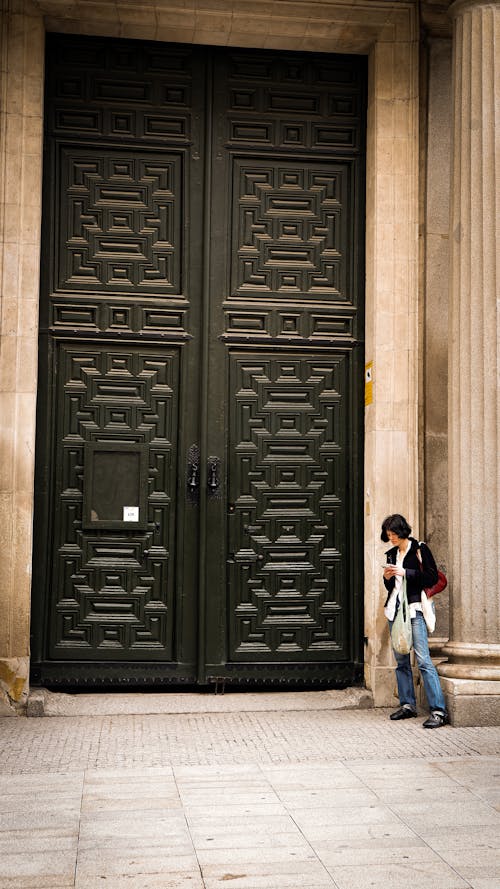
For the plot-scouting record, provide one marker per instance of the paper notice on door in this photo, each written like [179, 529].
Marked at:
[130, 513]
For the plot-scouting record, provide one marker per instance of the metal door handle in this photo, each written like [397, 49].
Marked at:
[213, 480]
[193, 474]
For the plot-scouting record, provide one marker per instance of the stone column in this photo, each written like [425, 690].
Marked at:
[21, 103]
[472, 674]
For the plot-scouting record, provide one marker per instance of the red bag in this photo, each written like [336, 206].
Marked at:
[440, 584]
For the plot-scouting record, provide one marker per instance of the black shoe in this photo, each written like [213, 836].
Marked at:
[436, 719]
[404, 712]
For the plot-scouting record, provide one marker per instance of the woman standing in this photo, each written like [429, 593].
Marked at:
[407, 558]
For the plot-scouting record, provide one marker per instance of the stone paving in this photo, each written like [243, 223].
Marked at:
[252, 799]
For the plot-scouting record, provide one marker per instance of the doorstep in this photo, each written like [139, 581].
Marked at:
[42, 702]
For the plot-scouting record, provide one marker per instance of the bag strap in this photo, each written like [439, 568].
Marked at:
[419, 554]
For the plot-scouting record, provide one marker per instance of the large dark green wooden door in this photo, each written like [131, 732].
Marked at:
[201, 329]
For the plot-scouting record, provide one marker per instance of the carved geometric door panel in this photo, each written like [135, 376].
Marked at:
[113, 580]
[290, 231]
[123, 221]
[288, 486]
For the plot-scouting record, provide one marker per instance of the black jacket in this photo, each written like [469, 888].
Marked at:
[418, 575]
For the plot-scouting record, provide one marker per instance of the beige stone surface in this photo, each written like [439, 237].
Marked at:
[391, 321]
[332, 26]
[14, 673]
[472, 701]
[474, 399]
[435, 313]
[21, 85]
[46, 703]
[474, 709]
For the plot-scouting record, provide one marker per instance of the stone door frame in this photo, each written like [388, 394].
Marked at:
[388, 33]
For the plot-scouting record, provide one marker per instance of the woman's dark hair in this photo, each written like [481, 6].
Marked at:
[397, 524]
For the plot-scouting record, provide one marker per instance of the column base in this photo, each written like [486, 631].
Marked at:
[472, 702]
[14, 674]
[472, 660]
[381, 681]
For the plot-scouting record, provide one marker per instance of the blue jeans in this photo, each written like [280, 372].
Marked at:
[428, 672]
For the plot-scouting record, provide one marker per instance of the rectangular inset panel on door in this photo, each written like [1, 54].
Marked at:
[113, 573]
[288, 591]
[121, 232]
[115, 485]
[289, 229]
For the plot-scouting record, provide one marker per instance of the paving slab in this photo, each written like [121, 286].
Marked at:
[109, 804]
[379, 852]
[374, 814]
[38, 882]
[305, 776]
[341, 835]
[410, 875]
[462, 836]
[442, 814]
[33, 819]
[470, 858]
[423, 791]
[386, 769]
[311, 875]
[56, 865]
[202, 823]
[123, 828]
[481, 877]
[141, 881]
[234, 811]
[28, 842]
[46, 804]
[316, 798]
[299, 880]
[111, 862]
[299, 852]
[40, 784]
[258, 841]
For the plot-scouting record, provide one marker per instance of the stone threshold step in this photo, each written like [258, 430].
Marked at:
[42, 702]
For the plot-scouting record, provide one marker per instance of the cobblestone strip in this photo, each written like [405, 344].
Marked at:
[65, 744]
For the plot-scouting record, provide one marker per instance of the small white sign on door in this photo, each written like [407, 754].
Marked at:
[130, 513]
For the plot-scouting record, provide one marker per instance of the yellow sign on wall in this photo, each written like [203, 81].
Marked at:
[369, 383]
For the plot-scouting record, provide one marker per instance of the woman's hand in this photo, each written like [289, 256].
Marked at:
[393, 571]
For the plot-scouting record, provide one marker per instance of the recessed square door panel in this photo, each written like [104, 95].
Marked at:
[289, 229]
[122, 227]
[113, 579]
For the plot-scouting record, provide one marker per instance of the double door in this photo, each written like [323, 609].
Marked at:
[201, 345]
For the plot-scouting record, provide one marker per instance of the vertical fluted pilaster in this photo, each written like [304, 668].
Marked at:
[21, 109]
[474, 439]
